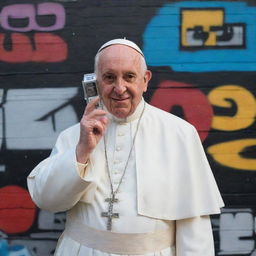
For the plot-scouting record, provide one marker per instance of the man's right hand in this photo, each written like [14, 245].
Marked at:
[92, 127]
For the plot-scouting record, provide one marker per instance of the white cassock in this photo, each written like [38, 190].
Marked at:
[168, 185]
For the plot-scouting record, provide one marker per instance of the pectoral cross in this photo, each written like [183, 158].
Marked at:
[110, 214]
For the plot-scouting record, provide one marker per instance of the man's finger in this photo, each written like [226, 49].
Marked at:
[97, 113]
[98, 127]
[92, 105]
[104, 120]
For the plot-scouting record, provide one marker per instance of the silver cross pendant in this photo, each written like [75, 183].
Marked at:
[110, 214]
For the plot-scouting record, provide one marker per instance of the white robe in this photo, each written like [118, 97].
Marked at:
[150, 197]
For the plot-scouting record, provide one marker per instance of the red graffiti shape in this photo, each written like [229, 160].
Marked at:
[196, 108]
[17, 211]
[47, 48]
[50, 48]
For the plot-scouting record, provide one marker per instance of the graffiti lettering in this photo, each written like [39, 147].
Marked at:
[246, 107]
[229, 34]
[28, 12]
[194, 103]
[51, 221]
[37, 129]
[206, 28]
[37, 247]
[236, 232]
[48, 48]
[196, 24]
[42, 47]
[229, 154]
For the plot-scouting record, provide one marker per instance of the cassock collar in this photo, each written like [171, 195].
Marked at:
[135, 115]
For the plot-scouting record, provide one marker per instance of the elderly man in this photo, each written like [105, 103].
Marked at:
[133, 179]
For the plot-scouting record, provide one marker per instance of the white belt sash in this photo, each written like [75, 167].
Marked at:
[120, 243]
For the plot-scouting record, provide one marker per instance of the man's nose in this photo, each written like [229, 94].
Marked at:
[119, 86]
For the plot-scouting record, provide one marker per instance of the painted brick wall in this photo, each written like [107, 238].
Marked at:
[203, 58]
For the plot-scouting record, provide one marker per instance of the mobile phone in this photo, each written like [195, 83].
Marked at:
[90, 87]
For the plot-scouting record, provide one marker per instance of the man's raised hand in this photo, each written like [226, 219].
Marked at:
[92, 127]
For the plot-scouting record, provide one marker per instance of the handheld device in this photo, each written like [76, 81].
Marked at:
[90, 87]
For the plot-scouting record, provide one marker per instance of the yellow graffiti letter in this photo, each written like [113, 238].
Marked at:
[205, 18]
[228, 154]
[246, 107]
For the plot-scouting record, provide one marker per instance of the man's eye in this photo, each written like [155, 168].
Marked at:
[130, 77]
[108, 77]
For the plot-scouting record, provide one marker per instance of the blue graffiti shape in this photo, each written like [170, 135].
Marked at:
[196, 36]
[12, 250]
[3, 248]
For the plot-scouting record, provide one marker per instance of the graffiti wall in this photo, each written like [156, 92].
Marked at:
[203, 58]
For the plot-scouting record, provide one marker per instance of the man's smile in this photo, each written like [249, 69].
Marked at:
[120, 99]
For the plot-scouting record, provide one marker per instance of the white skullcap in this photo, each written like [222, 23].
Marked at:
[122, 42]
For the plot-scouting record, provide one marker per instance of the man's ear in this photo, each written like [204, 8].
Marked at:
[147, 78]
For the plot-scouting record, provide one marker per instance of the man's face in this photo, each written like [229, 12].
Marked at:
[121, 79]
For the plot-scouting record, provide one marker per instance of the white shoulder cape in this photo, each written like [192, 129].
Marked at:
[175, 180]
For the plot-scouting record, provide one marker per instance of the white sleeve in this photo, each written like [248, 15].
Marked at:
[57, 183]
[194, 237]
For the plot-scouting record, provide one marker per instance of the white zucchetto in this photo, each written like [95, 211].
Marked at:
[122, 42]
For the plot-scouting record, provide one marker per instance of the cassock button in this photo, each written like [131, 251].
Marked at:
[118, 148]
